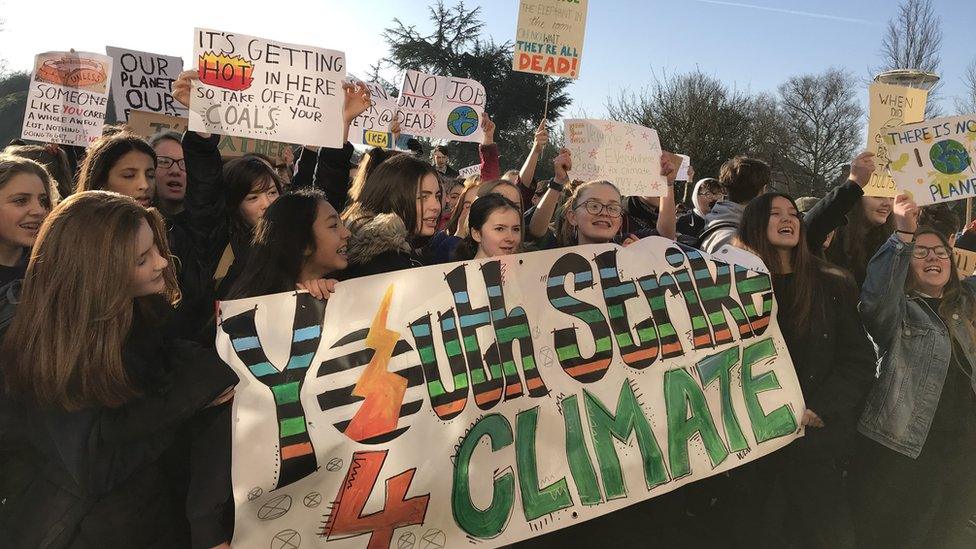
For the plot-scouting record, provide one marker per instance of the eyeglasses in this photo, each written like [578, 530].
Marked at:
[921, 252]
[709, 194]
[595, 208]
[166, 162]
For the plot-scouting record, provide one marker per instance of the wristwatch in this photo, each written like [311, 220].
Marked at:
[558, 187]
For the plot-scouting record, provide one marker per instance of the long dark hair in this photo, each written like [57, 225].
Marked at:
[810, 273]
[104, 153]
[956, 298]
[370, 160]
[281, 240]
[241, 177]
[392, 187]
[481, 209]
[861, 239]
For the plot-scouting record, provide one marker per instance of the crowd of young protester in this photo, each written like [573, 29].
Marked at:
[115, 432]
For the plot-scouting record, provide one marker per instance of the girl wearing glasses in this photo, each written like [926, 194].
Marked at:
[834, 361]
[917, 485]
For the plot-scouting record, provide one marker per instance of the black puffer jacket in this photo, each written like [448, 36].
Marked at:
[120, 477]
[378, 244]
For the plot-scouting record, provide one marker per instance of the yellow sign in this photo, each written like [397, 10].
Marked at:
[965, 262]
[890, 107]
[376, 139]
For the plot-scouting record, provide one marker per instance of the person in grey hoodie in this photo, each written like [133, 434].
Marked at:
[744, 178]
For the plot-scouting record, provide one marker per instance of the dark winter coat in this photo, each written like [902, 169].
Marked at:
[379, 244]
[104, 477]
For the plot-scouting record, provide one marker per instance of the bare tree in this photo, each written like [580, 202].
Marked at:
[914, 41]
[819, 127]
[967, 103]
[694, 114]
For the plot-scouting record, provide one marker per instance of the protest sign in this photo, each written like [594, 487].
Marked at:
[933, 160]
[683, 168]
[67, 98]
[474, 169]
[372, 128]
[264, 89]
[890, 107]
[148, 124]
[144, 82]
[627, 155]
[965, 262]
[549, 37]
[387, 414]
[441, 107]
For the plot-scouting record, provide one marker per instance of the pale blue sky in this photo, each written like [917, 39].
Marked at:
[753, 44]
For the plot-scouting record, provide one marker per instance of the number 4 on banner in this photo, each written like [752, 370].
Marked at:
[346, 518]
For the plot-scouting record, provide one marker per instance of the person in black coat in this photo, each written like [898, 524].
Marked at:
[798, 495]
[109, 426]
[398, 208]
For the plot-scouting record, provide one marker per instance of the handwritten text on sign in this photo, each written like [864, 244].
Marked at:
[627, 155]
[67, 98]
[496, 397]
[372, 128]
[890, 107]
[441, 107]
[934, 160]
[253, 87]
[549, 37]
[144, 82]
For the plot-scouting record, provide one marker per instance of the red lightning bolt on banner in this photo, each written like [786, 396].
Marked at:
[382, 389]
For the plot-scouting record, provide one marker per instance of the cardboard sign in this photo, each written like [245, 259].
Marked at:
[474, 169]
[563, 384]
[965, 262]
[549, 37]
[683, 169]
[372, 128]
[933, 160]
[264, 89]
[441, 107]
[890, 107]
[67, 98]
[627, 155]
[144, 82]
[148, 124]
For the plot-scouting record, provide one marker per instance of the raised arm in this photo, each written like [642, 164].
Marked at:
[829, 212]
[883, 299]
[546, 208]
[667, 217]
[488, 151]
[527, 173]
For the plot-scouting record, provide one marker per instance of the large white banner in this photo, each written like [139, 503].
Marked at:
[496, 400]
[67, 98]
[441, 107]
[265, 89]
[143, 81]
[933, 160]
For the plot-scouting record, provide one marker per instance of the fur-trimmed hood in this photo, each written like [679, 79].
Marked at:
[374, 235]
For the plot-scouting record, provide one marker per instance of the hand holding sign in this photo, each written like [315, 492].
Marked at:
[488, 128]
[356, 99]
[562, 165]
[906, 215]
[862, 167]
